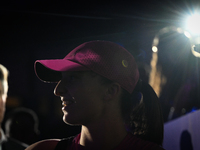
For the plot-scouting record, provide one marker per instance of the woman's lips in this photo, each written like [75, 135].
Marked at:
[66, 103]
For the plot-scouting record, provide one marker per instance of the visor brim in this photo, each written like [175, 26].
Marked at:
[50, 70]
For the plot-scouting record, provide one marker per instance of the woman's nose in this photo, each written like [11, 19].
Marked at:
[59, 89]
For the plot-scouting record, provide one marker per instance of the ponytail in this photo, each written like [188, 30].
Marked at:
[141, 111]
[146, 120]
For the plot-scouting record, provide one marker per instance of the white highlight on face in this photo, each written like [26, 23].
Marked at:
[4, 90]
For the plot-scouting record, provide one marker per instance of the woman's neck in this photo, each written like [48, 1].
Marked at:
[103, 134]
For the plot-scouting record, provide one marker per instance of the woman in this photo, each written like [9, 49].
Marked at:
[100, 89]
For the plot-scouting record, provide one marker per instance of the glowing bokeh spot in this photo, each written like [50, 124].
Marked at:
[155, 41]
[179, 30]
[193, 24]
[187, 34]
[154, 49]
[164, 30]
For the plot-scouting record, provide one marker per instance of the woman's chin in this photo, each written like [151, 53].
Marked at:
[70, 120]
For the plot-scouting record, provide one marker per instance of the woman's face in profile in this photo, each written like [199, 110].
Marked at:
[82, 96]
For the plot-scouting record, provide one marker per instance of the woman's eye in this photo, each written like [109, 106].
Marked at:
[72, 77]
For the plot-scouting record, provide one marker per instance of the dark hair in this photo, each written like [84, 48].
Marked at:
[146, 120]
[24, 112]
[22, 124]
[142, 113]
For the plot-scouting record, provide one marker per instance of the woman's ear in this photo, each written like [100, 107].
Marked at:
[113, 91]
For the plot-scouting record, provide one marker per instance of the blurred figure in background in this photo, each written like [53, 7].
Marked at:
[22, 124]
[5, 142]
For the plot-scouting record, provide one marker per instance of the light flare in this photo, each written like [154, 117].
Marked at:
[193, 24]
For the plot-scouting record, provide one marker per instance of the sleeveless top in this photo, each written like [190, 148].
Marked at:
[130, 142]
[64, 143]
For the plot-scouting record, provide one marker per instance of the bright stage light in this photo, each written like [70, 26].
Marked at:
[193, 24]
[192, 31]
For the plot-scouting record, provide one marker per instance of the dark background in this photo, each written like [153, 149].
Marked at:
[31, 30]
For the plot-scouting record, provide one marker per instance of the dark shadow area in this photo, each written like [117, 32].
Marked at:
[43, 30]
[186, 141]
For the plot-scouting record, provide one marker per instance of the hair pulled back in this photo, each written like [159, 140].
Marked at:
[142, 113]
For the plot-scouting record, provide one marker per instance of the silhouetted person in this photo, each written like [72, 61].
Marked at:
[22, 124]
[5, 142]
[186, 141]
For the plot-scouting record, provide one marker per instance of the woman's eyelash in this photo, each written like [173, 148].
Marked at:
[72, 77]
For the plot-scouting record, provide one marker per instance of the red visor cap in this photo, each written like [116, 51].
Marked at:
[105, 58]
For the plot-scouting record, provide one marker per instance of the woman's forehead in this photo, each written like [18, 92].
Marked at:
[88, 72]
[66, 73]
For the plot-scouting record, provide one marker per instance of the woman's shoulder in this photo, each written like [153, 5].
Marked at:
[49, 144]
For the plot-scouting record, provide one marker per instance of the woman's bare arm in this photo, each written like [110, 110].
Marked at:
[44, 145]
